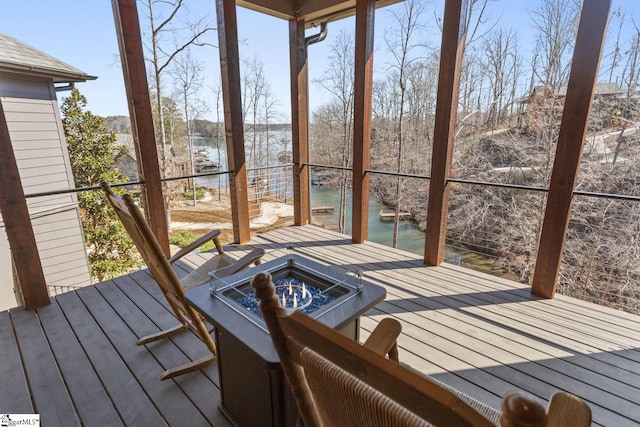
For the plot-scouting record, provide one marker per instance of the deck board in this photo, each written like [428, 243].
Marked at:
[127, 395]
[187, 342]
[50, 396]
[185, 347]
[147, 362]
[14, 390]
[89, 397]
[481, 334]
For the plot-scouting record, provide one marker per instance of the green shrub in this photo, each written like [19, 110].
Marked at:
[183, 238]
[199, 193]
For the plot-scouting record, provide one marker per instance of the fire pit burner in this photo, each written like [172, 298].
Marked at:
[292, 293]
[300, 284]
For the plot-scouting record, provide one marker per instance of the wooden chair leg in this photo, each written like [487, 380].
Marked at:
[188, 367]
[162, 334]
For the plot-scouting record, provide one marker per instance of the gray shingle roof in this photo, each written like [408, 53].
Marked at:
[16, 56]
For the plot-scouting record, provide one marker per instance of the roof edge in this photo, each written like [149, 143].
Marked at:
[58, 76]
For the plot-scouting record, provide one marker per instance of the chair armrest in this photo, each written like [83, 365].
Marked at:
[383, 339]
[255, 257]
[212, 235]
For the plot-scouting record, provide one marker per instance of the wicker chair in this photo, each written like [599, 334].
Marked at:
[165, 276]
[337, 382]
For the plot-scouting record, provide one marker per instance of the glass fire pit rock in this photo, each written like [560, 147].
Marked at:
[300, 284]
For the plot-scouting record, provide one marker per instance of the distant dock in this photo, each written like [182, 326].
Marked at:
[390, 215]
[322, 209]
[321, 178]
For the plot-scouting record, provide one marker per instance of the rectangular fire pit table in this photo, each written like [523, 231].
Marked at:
[253, 387]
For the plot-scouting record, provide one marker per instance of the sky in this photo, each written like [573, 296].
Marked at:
[82, 34]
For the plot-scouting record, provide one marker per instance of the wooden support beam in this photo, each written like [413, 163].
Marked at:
[299, 121]
[365, 17]
[451, 52]
[234, 127]
[125, 15]
[575, 119]
[17, 223]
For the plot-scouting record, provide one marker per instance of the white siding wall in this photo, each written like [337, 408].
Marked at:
[7, 298]
[38, 141]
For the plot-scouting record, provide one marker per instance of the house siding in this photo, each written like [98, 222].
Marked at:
[39, 144]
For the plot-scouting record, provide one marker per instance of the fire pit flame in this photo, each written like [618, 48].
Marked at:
[292, 293]
[293, 296]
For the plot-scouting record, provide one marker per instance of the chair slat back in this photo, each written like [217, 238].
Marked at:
[292, 332]
[422, 397]
[151, 252]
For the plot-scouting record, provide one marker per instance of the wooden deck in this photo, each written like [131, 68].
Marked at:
[75, 361]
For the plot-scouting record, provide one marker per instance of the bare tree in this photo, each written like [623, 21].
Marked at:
[168, 34]
[630, 79]
[616, 54]
[478, 24]
[189, 79]
[338, 81]
[401, 45]
[163, 17]
[255, 86]
[556, 22]
[269, 114]
[219, 134]
[502, 64]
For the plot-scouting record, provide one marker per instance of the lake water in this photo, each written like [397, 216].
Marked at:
[410, 237]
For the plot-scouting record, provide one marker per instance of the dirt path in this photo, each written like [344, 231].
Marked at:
[211, 214]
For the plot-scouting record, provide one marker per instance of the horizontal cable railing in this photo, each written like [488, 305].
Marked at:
[495, 231]
[270, 190]
[492, 231]
[57, 290]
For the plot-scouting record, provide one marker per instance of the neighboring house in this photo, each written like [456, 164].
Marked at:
[548, 103]
[28, 80]
[127, 164]
[601, 90]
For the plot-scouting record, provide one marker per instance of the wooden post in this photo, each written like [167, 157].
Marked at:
[365, 16]
[575, 119]
[453, 39]
[125, 16]
[234, 128]
[299, 121]
[15, 214]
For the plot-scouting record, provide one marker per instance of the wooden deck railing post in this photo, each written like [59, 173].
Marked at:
[233, 123]
[365, 17]
[299, 121]
[17, 223]
[575, 119]
[127, 23]
[451, 52]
